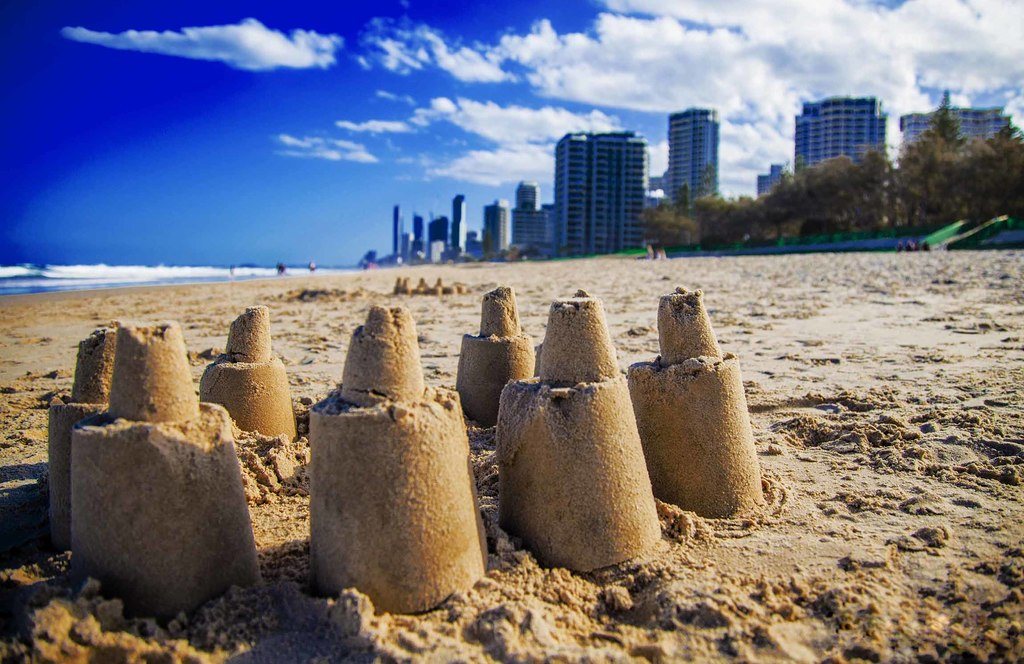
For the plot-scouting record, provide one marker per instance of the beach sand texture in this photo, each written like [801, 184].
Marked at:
[887, 413]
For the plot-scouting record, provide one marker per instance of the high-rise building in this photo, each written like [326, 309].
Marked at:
[528, 196]
[657, 182]
[435, 251]
[692, 152]
[418, 245]
[497, 226]
[838, 127]
[974, 123]
[458, 239]
[438, 231]
[474, 247]
[770, 179]
[530, 229]
[396, 231]
[600, 182]
[529, 221]
[406, 246]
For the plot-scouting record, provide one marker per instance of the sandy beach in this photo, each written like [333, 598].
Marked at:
[885, 396]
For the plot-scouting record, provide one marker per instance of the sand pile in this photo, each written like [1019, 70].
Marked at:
[500, 353]
[692, 415]
[159, 511]
[273, 466]
[89, 394]
[568, 439]
[393, 509]
[249, 380]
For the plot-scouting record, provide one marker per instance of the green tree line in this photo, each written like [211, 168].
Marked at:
[938, 179]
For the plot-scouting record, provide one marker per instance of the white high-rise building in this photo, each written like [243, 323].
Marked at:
[839, 127]
[692, 153]
[458, 237]
[767, 181]
[497, 226]
[600, 183]
[974, 123]
[529, 221]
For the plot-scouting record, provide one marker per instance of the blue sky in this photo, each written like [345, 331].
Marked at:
[217, 133]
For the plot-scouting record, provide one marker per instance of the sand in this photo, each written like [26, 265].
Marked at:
[887, 414]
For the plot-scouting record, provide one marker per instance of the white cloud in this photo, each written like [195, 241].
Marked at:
[391, 96]
[658, 158]
[376, 126]
[502, 165]
[756, 62]
[524, 138]
[247, 45]
[512, 124]
[331, 149]
[403, 47]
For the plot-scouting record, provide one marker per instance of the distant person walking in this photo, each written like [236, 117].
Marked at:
[281, 269]
[312, 266]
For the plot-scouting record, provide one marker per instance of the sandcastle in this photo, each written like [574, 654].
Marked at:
[89, 394]
[393, 507]
[249, 380]
[692, 415]
[159, 513]
[501, 352]
[402, 287]
[573, 483]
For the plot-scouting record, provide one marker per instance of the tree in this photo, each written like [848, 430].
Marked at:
[664, 226]
[682, 202]
[945, 125]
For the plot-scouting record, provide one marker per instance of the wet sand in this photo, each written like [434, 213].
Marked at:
[885, 396]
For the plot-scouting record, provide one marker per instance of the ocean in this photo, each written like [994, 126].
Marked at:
[26, 278]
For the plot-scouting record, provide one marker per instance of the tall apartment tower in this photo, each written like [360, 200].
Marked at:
[458, 239]
[437, 231]
[600, 182]
[528, 195]
[396, 231]
[529, 221]
[766, 182]
[693, 152]
[839, 127]
[974, 123]
[497, 226]
[418, 244]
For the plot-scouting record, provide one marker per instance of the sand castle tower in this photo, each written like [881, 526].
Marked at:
[89, 395]
[501, 352]
[249, 380]
[393, 507]
[573, 484]
[692, 415]
[159, 511]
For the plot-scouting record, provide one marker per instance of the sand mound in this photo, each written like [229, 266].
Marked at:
[273, 466]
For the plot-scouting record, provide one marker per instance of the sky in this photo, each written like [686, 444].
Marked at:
[193, 133]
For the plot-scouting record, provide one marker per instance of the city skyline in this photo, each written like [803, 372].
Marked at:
[194, 121]
[836, 126]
